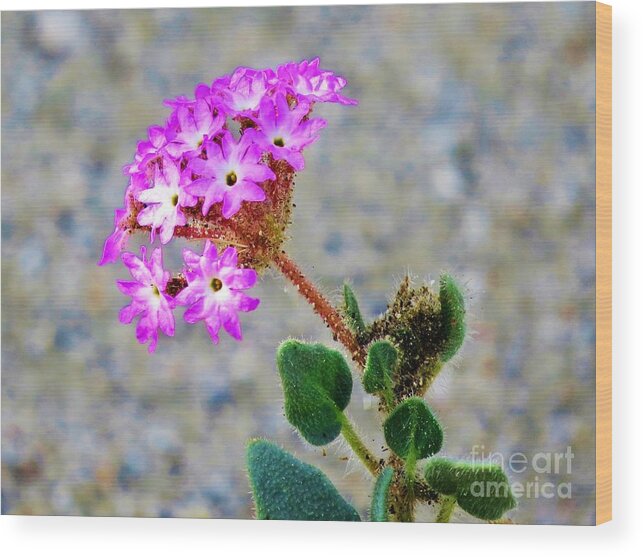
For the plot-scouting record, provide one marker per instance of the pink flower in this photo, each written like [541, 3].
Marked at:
[164, 201]
[201, 91]
[231, 174]
[194, 157]
[116, 241]
[307, 81]
[214, 292]
[283, 132]
[139, 182]
[149, 300]
[147, 150]
[195, 124]
[241, 93]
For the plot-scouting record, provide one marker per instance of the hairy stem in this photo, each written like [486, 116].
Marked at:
[388, 398]
[409, 471]
[402, 493]
[446, 509]
[358, 446]
[321, 306]
[408, 509]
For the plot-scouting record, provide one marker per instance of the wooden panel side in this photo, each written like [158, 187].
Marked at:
[603, 263]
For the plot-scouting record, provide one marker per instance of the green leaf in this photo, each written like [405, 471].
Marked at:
[441, 475]
[380, 367]
[452, 316]
[352, 312]
[285, 488]
[317, 386]
[379, 500]
[412, 431]
[484, 491]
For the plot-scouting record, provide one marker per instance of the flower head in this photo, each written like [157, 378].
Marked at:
[230, 174]
[164, 201]
[149, 300]
[196, 160]
[215, 288]
[284, 132]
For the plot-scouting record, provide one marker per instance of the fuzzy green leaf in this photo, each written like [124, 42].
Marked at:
[352, 312]
[452, 316]
[285, 488]
[484, 491]
[441, 475]
[412, 431]
[317, 386]
[379, 499]
[380, 366]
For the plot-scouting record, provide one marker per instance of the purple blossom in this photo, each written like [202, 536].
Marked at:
[195, 124]
[195, 156]
[147, 150]
[214, 292]
[139, 182]
[231, 174]
[307, 81]
[201, 91]
[164, 201]
[283, 132]
[242, 92]
[149, 300]
[116, 241]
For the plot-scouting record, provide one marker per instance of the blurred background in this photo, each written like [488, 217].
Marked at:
[472, 150]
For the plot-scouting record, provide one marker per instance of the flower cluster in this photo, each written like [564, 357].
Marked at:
[221, 169]
[214, 293]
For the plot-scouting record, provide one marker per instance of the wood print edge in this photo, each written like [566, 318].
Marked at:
[603, 263]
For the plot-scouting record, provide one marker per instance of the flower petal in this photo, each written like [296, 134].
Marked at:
[195, 312]
[246, 303]
[213, 325]
[242, 279]
[231, 324]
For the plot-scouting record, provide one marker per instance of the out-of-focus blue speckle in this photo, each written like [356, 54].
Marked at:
[71, 329]
[219, 398]
[576, 137]
[334, 243]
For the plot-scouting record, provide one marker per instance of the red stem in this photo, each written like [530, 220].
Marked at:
[322, 307]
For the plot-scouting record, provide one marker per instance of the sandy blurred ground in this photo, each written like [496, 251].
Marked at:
[472, 150]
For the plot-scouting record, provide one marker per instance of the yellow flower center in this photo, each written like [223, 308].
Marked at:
[216, 284]
[231, 178]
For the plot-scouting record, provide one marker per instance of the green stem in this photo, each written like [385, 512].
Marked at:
[358, 446]
[409, 472]
[389, 402]
[446, 509]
